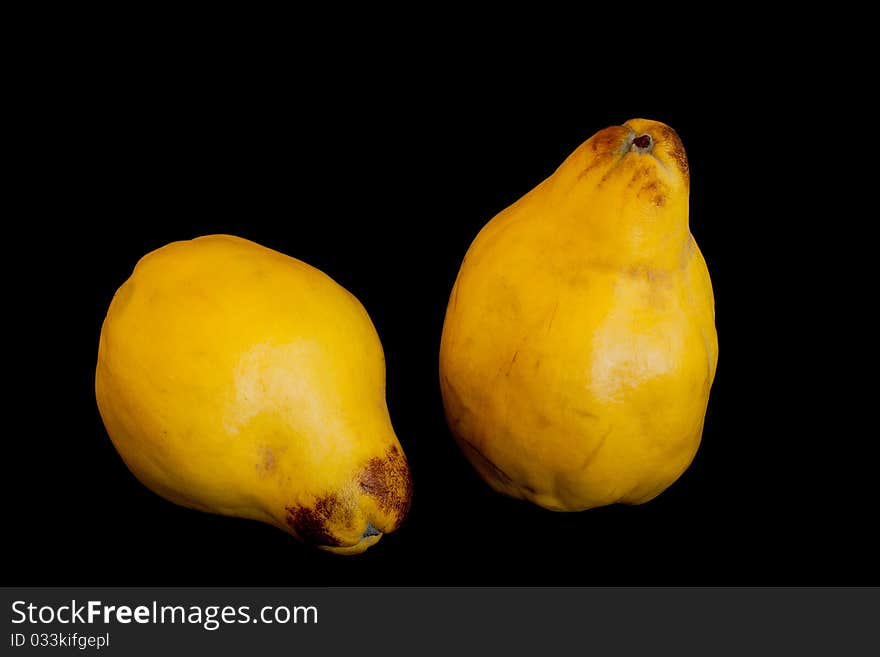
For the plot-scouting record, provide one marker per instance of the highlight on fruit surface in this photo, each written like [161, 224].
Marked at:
[579, 344]
[236, 380]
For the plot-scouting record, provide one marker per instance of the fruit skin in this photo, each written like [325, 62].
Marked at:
[237, 380]
[579, 344]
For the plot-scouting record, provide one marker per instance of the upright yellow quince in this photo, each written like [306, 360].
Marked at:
[579, 344]
[236, 380]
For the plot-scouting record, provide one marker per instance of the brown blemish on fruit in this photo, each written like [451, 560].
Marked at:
[552, 316]
[452, 398]
[512, 361]
[595, 451]
[597, 161]
[506, 478]
[639, 174]
[609, 139]
[267, 461]
[675, 149]
[605, 144]
[585, 413]
[310, 523]
[650, 274]
[388, 481]
[655, 191]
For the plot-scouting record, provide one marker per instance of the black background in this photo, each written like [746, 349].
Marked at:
[381, 177]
